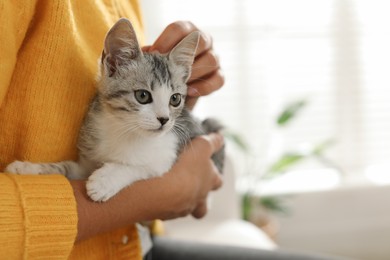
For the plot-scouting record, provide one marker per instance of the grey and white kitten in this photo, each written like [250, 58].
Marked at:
[137, 123]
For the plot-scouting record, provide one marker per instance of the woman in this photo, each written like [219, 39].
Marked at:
[48, 63]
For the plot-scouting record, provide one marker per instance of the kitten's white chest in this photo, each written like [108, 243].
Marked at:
[155, 154]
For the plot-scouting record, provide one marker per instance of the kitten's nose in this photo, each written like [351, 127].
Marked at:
[163, 120]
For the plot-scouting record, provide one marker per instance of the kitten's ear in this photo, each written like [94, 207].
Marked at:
[120, 46]
[183, 54]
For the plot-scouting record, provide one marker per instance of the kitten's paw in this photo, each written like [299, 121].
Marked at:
[100, 186]
[19, 167]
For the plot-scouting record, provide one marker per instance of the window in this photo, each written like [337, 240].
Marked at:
[334, 54]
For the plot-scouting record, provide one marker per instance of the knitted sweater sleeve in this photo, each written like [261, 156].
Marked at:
[37, 216]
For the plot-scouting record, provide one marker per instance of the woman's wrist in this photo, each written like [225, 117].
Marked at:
[142, 201]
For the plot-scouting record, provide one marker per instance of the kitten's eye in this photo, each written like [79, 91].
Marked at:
[143, 96]
[175, 100]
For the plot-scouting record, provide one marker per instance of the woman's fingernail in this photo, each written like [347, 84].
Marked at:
[192, 92]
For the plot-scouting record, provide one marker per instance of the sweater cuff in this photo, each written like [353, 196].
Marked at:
[49, 214]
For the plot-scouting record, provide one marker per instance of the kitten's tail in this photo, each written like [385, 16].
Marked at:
[70, 169]
[211, 125]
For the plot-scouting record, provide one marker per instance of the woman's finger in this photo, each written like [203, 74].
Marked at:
[146, 48]
[201, 210]
[204, 65]
[217, 181]
[208, 144]
[172, 35]
[205, 86]
[191, 102]
[175, 32]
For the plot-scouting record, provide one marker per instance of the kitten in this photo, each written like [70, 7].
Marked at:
[137, 123]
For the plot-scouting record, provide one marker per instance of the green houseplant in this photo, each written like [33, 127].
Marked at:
[251, 203]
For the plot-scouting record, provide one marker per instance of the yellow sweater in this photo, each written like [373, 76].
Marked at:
[49, 52]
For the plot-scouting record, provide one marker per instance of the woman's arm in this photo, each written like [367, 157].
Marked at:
[181, 191]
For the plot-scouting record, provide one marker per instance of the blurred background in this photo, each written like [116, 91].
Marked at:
[306, 107]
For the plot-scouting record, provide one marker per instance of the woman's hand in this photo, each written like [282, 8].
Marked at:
[206, 76]
[193, 177]
[181, 191]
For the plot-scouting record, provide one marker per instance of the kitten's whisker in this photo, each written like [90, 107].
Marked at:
[198, 126]
[126, 129]
[181, 132]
